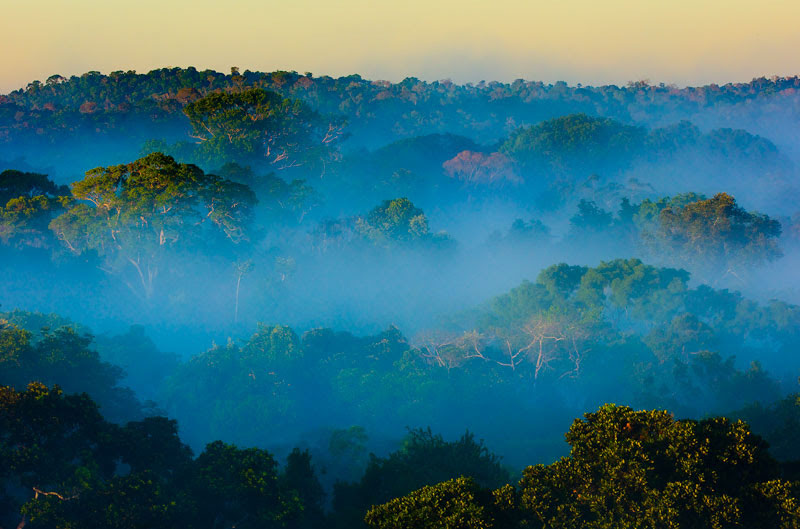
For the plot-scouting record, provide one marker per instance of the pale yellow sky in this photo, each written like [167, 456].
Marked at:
[589, 41]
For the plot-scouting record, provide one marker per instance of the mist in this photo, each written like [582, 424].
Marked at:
[362, 259]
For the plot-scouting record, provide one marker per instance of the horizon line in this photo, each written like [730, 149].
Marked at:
[426, 79]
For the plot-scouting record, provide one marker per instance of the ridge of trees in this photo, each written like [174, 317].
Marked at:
[63, 466]
[161, 93]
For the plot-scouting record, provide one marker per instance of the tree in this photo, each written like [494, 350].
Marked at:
[552, 341]
[590, 219]
[260, 126]
[300, 478]
[50, 446]
[247, 393]
[147, 495]
[131, 215]
[16, 184]
[632, 469]
[454, 504]
[573, 144]
[144, 364]
[24, 221]
[398, 221]
[561, 280]
[279, 202]
[778, 423]
[626, 469]
[242, 268]
[535, 230]
[28, 202]
[65, 357]
[63, 466]
[716, 235]
[424, 459]
[236, 487]
[123, 502]
[477, 168]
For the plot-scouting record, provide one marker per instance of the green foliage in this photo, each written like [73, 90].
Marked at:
[240, 487]
[626, 469]
[424, 459]
[50, 443]
[299, 477]
[648, 211]
[716, 233]
[146, 496]
[264, 387]
[740, 145]
[279, 201]
[395, 220]
[130, 215]
[38, 321]
[628, 329]
[571, 339]
[28, 202]
[24, 222]
[124, 502]
[561, 280]
[64, 357]
[258, 126]
[152, 445]
[246, 390]
[778, 423]
[19, 184]
[712, 237]
[574, 143]
[412, 107]
[455, 504]
[417, 153]
[145, 366]
[43, 432]
[348, 455]
[634, 469]
[590, 219]
[673, 139]
[62, 466]
[399, 222]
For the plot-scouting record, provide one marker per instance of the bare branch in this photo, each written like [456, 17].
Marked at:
[37, 492]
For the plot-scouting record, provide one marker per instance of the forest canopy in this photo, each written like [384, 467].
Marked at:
[281, 300]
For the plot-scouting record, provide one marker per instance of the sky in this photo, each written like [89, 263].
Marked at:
[684, 42]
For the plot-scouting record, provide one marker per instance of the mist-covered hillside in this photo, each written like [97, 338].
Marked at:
[283, 300]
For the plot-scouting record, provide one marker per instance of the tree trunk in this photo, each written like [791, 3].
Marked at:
[236, 309]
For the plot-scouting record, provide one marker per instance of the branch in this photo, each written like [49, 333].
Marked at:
[56, 494]
[332, 134]
[63, 238]
[208, 129]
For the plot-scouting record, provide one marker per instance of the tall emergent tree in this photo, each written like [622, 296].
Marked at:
[132, 214]
[258, 126]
